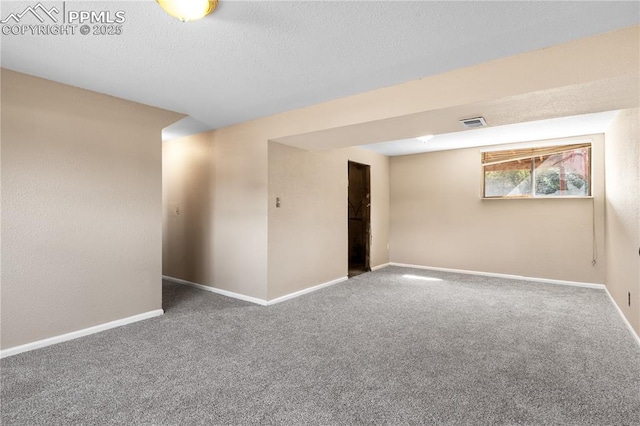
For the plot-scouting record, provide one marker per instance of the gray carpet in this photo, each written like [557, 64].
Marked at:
[377, 349]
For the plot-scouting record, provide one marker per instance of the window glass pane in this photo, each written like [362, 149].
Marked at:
[511, 179]
[563, 174]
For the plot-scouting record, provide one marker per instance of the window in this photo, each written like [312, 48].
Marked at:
[555, 171]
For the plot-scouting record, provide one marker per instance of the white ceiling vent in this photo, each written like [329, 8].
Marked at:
[472, 123]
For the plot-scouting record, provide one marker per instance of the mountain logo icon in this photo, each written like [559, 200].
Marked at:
[38, 11]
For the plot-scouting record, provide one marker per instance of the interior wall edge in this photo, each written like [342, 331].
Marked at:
[622, 213]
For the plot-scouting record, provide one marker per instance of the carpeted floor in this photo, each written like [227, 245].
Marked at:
[380, 348]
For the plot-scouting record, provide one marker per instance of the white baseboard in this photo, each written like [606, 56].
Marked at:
[624, 319]
[80, 333]
[541, 280]
[217, 290]
[255, 300]
[305, 291]
[384, 265]
[507, 276]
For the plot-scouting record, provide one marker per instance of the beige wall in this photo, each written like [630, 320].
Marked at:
[90, 165]
[81, 217]
[622, 160]
[187, 199]
[240, 213]
[438, 219]
[237, 260]
[308, 235]
[218, 180]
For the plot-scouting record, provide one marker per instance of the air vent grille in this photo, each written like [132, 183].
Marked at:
[472, 123]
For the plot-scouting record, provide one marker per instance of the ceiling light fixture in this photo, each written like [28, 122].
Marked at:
[188, 10]
[425, 138]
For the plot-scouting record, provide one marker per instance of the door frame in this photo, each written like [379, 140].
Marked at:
[367, 231]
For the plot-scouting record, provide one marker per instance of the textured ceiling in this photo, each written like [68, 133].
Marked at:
[252, 59]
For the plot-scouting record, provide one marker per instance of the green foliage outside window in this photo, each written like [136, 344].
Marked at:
[545, 172]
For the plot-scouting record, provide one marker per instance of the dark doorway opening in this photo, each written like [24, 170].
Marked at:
[359, 218]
